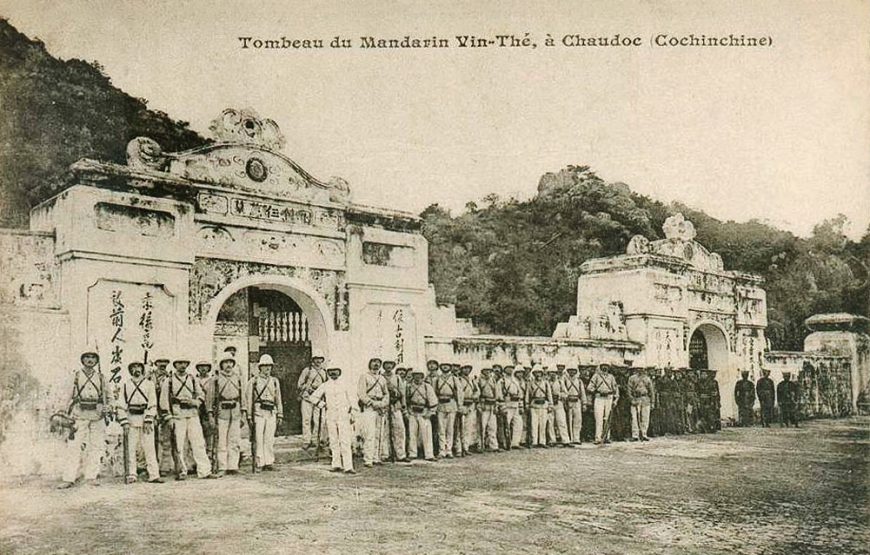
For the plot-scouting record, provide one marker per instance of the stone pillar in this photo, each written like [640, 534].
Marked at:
[846, 335]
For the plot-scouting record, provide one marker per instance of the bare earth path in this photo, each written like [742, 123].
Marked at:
[739, 491]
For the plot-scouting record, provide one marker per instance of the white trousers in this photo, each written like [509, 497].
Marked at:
[264, 427]
[85, 450]
[373, 435]
[488, 429]
[514, 420]
[310, 422]
[639, 420]
[556, 422]
[539, 425]
[340, 439]
[469, 430]
[446, 423]
[135, 438]
[398, 435]
[575, 417]
[188, 430]
[420, 431]
[602, 407]
[229, 441]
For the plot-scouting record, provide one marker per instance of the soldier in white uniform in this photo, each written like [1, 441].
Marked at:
[374, 398]
[311, 378]
[227, 409]
[557, 423]
[339, 407]
[603, 386]
[163, 430]
[449, 401]
[575, 401]
[511, 393]
[180, 398]
[422, 402]
[267, 411]
[88, 407]
[470, 394]
[137, 413]
[395, 421]
[539, 401]
[488, 400]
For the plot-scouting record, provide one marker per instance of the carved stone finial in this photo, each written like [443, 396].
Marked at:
[145, 154]
[246, 126]
[678, 227]
[638, 245]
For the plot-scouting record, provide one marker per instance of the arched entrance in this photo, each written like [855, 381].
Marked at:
[261, 315]
[708, 350]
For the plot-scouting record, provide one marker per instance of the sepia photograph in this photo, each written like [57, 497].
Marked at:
[393, 277]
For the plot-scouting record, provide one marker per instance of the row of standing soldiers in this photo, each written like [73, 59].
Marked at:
[446, 411]
[165, 415]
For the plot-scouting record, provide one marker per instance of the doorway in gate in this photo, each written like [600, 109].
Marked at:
[267, 321]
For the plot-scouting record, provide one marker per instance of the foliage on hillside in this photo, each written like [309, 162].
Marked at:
[56, 112]
[513, 266]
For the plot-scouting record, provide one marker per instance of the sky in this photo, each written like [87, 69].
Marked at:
[780, 134]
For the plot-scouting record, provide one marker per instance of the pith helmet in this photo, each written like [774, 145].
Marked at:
[318, 354]
[179, 357]
[202, 362]
[333, 371]
[90, 350]
[414, 371]
[265, 360]
[226, 358]
[135, 363]
[537, 369]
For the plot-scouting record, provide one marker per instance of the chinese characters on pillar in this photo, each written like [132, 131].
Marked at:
[116, 344]
[146, 325]
[399, 319]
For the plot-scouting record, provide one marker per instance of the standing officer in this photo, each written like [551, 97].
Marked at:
[267, 411]
[89, 407]
[339, 408]
[641, 394]
[137, 411]
[539, 400]
[402, 373]
[470, 395]
[523, 376]
[511, 393]
[449, 401]
[487, 405]
[422, 400]
[311, 377]
[374, 398]
[788, 395]
[501, 430]
[766, 392]
[557, 422]
[744, 395]
[180, 398]
[575, 400]
[227, 409]
[603, 386]
[395, 420]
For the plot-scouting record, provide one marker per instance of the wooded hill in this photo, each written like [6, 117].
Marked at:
[511, 266]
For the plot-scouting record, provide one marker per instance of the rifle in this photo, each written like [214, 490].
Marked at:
[252, 431]
[481, 432]
[390, 432]
[319, 430]
[569, 423]
[126, 443]
[460, 421]
[216, 412]
[606, 434]
[529, 427]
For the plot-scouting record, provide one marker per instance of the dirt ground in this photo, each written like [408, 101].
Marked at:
[739, 491]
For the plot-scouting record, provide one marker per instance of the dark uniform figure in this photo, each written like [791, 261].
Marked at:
[744, 395]
[766, 392]
[788, 395]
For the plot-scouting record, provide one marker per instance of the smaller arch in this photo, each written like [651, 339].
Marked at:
[718, 354]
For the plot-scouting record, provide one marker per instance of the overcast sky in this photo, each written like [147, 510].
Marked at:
[780, 134]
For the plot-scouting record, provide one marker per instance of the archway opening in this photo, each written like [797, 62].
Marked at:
[273, 320]
[708, 350]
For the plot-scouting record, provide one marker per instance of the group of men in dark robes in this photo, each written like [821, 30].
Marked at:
[786, 394]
